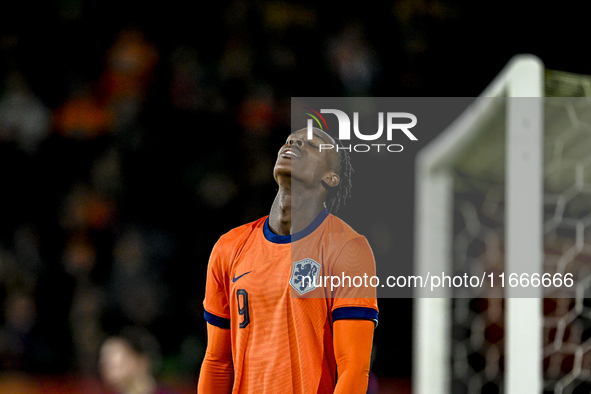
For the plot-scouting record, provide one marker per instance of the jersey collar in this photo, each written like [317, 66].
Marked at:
[285, 239]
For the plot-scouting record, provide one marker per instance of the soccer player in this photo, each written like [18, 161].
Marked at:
[269, 329]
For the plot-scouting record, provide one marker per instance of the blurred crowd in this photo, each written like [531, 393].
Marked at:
[80, 255]
[129, 144]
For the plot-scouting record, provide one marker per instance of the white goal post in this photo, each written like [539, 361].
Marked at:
[523, 236]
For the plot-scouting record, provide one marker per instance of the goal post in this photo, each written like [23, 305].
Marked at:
[520, 81]
[523, 235]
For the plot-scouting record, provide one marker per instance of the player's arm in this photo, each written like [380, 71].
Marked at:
[352, 341]
[354, 315]
[217, 370]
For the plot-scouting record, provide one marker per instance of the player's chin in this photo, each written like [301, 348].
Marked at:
[282, 168]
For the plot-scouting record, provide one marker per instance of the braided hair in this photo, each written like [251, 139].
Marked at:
[339, 194]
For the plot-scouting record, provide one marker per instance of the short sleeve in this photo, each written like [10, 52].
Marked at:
[217, 311]
[355, 298]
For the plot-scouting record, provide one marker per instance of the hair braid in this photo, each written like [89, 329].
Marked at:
[339, 194]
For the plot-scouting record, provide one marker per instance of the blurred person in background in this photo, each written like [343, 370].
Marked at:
[16, 341]
[127, 362]
[24, 119]
[137, 294]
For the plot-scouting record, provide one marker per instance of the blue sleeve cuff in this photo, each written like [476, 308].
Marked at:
[355, 312]
[216, 320]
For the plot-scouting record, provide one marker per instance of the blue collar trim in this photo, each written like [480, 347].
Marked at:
[285, 239]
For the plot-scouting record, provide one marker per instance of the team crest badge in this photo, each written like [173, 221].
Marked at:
[304, 274]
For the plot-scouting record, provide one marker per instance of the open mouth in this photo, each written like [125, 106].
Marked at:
[290, 152]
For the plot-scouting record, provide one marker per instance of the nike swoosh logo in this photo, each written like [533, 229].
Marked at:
[234, 279]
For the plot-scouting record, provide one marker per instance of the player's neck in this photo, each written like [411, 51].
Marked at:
[292, 212]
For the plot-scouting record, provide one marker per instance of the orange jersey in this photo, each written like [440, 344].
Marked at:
[258, 286]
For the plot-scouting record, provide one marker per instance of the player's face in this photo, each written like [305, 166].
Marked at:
[301, 158]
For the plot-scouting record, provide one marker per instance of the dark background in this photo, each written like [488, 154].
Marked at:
[132, 135]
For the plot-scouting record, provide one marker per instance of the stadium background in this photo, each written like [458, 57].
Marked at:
[133, 135]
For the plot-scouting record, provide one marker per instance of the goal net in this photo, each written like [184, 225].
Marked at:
[507, 189]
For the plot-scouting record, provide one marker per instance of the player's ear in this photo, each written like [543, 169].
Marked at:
[332, 179]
